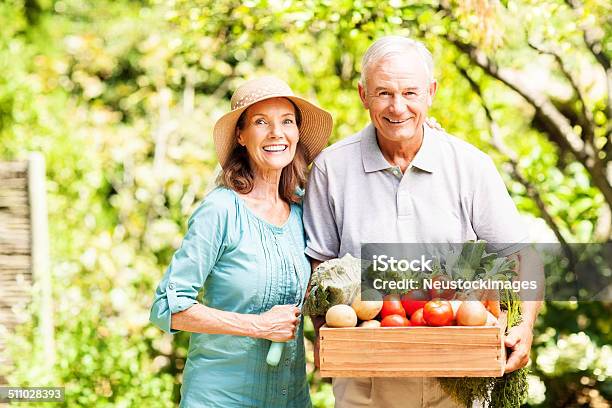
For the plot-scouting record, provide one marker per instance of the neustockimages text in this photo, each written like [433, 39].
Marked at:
[459, 284]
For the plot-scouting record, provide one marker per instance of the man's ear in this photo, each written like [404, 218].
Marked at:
[431, 92]
[362, 95]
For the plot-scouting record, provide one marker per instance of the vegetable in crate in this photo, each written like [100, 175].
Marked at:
[334, 282]
[471, 313]
[508, 391]
[341, 316]
[438, 312]
[395, 320]
[474, 263]
[367, 309]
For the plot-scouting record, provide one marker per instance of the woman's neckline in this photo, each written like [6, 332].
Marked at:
[261, 219]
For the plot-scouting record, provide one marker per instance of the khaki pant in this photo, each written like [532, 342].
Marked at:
[391, 393]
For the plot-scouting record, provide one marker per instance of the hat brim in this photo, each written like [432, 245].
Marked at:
[315, 128]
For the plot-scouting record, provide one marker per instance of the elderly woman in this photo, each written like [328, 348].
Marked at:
[244, 249]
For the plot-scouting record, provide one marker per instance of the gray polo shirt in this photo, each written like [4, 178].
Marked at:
[450, 193]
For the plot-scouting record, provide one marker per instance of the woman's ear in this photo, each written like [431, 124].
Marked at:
[239, 139]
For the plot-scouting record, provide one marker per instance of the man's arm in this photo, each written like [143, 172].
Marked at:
[317, 321]
[520, 337]
[322, 238]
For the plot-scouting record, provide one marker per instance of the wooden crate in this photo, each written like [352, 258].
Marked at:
[450, 351]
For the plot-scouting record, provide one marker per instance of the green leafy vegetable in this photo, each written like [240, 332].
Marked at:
[334, 282]
[508, 391]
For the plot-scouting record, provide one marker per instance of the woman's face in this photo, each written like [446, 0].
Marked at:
[270, 134]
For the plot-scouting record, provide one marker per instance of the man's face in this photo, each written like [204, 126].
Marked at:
[398, 96]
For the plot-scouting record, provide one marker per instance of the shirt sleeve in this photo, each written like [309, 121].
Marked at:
[494, 215]
[191, 264]
[322, 238]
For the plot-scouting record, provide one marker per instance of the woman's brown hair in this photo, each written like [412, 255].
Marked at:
[238, 174]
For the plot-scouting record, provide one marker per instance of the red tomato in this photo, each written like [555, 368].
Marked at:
[438, 312]
[391, 306]
[417, 318]
[441, 293]
[414, 300]
[394, 321]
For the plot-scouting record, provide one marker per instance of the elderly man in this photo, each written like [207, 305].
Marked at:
[398, 181]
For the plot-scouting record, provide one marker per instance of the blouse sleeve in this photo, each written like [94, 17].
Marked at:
[191, 264]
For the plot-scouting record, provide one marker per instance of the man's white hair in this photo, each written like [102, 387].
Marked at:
[393, 45]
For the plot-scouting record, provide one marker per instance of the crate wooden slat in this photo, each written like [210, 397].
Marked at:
[451, 351]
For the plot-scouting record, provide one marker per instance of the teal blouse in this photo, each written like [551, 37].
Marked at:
[245, 265]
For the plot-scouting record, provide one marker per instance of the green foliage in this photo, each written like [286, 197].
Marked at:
[121, 97]
[334, 282]
[508, 391]
[572, 352]
[98, 363]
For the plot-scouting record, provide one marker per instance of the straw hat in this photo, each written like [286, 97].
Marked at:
[315, 128]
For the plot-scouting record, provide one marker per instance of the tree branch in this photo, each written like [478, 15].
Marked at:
[557, 125]
[498, 144]
[588, 122]
[598, 51]
[555, 122]
[589, 37]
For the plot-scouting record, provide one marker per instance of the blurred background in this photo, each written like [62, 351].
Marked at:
[120, 98]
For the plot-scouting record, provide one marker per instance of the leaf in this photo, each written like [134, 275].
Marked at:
[500, 268]
[469, 260]
[334, 282]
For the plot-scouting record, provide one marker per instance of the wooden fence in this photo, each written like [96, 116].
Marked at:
[24, 253]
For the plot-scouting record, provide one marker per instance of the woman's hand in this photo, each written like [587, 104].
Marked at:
[279, 323]
[433, 123]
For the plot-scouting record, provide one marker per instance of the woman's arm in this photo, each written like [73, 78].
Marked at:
[277, 324]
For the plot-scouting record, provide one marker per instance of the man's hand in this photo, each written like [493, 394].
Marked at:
[317, 322]
[519, 339]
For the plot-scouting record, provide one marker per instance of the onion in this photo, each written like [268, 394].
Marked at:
[471, 313]
[341, 316]
[455, 305]
[370, 323]
[367, 309]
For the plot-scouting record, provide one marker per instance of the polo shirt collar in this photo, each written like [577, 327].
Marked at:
[425, 159]
[373, 159]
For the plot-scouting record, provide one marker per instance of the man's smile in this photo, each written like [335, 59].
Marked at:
[397, 121]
